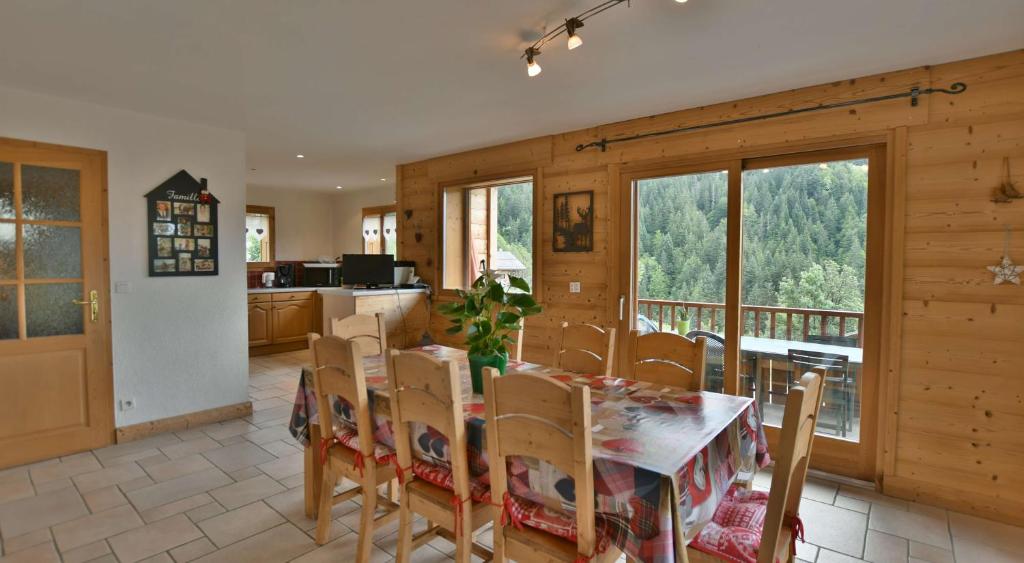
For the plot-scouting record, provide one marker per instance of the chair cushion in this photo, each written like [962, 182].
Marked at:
[349, 438]
[555, 522]
[479, 487]
[734, 533]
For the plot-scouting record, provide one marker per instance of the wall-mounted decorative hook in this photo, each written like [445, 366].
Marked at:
[1006, 192]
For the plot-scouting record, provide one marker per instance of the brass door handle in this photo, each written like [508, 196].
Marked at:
[93, 303]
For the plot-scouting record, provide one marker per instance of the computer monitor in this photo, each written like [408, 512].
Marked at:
[370, 270]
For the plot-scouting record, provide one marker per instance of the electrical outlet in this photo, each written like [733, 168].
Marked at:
[127, 404]
[574, 287]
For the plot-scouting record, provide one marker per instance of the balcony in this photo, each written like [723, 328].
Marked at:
[777, 344]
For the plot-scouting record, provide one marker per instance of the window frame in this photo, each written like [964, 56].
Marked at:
[381, 210]
[269, 212]
[533, 176]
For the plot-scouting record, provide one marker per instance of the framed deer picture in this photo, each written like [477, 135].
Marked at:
[574, 222]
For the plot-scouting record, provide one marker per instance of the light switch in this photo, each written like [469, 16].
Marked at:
[574, 287]
[122, 287]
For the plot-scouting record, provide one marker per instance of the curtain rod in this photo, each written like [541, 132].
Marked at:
[913, 94]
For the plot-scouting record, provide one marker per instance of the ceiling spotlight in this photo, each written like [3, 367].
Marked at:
[532, 68]
[300, 156]
[383, 179]
[680, 1]
[337, 187]
[571, 25]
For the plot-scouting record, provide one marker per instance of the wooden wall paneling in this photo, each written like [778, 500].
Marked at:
[889, 366]
[944, 162]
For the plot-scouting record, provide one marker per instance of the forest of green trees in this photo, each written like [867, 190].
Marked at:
[804, 239]
[804, 233]
[515, 223]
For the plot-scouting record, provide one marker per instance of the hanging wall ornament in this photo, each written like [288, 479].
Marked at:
[1006, 270]
[1006, 192]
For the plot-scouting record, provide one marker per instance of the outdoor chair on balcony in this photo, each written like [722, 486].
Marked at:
[836, 398]
[714, 359]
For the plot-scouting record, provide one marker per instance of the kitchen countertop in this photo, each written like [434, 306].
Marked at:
[343, 291]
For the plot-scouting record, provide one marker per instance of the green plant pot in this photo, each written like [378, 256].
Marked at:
[477, 365]
[683, 327]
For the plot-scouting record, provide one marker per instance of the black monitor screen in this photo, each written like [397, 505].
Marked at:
[368, 269]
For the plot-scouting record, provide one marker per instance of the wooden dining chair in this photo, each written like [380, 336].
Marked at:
[666, 358]
[539, 417]
[348, 452]
[767, 524]
[428, 391]
[585, 348]
[368, 330]
[837, 397]
[516, 349]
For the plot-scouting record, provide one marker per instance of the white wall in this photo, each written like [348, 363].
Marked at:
[180, 344]
[348, 216]
[302, 221]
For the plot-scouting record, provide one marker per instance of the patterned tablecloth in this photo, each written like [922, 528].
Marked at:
[663, 457]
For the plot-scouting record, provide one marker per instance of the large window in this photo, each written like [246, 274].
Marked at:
[259, 236]
[490, 226]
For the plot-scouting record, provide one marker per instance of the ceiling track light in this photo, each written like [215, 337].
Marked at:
[571, 25]
[569, 29]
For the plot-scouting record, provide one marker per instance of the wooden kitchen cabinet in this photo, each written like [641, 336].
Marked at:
[261, 325]
[293, 320]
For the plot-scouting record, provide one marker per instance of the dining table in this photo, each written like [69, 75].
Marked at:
[664, 457]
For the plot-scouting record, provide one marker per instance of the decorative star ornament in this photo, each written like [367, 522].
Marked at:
[1006, 271]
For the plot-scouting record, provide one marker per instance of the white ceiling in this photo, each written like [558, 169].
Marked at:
[358, 86]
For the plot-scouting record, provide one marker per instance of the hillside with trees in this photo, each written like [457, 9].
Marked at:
[804, 236]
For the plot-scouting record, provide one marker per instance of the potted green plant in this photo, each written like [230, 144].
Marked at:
[489, 314]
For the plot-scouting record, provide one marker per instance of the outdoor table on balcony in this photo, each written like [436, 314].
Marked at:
[779, 349]
[663, 457]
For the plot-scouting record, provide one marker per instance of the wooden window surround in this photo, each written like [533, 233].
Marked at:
[271, 237]
[379, 213]
[467, 212]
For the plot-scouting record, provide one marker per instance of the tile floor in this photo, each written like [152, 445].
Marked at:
[233, 492]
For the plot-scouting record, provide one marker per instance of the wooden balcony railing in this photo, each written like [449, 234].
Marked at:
[785, 323]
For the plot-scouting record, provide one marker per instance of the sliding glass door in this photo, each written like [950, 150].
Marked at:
[777, 263]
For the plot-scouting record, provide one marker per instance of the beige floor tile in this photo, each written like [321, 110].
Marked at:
[342, 549]
[86, 552]
[43, 553]
[177, 467]
[154, 538]
[158, 558]
[109, 476]
[176, 507]
[819, 490]
[834, 528]
[177, 489]
[806, 551]
[136, 447]
[294, 481]
[15, 486]
[242, 493]
[826, 556]
[194, 446]
[192, 550]
[246, 473]
[152, 460]
[95, 527]
[930, 553]
[974, 551]
[267, 435]
[238, 456]
[924, 528]
[134, 456]
[282, 543]
[868, 495]
[856, 505]
[53, 486]
[41, 511]
[208, 510]
[1000, 535]
[25, 541]
[883, 548]
[64, 470]
[229, 429]
[291, 504]
[283, 467]
[276, 413]
[240, 523]
[102, 499]
[109, 558]
[136, 484]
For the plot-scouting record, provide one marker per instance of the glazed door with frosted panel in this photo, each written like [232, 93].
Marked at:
[55, 377]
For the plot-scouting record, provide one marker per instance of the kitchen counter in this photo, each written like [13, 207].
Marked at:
[281, 289]
[346, 291]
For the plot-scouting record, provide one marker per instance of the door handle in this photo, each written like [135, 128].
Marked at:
[93, 303]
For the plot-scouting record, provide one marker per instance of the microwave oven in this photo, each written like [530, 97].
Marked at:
[321, 275]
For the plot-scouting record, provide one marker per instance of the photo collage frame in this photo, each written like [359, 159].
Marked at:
[182, 228]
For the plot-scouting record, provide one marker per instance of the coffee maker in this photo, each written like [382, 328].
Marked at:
[285, 275]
